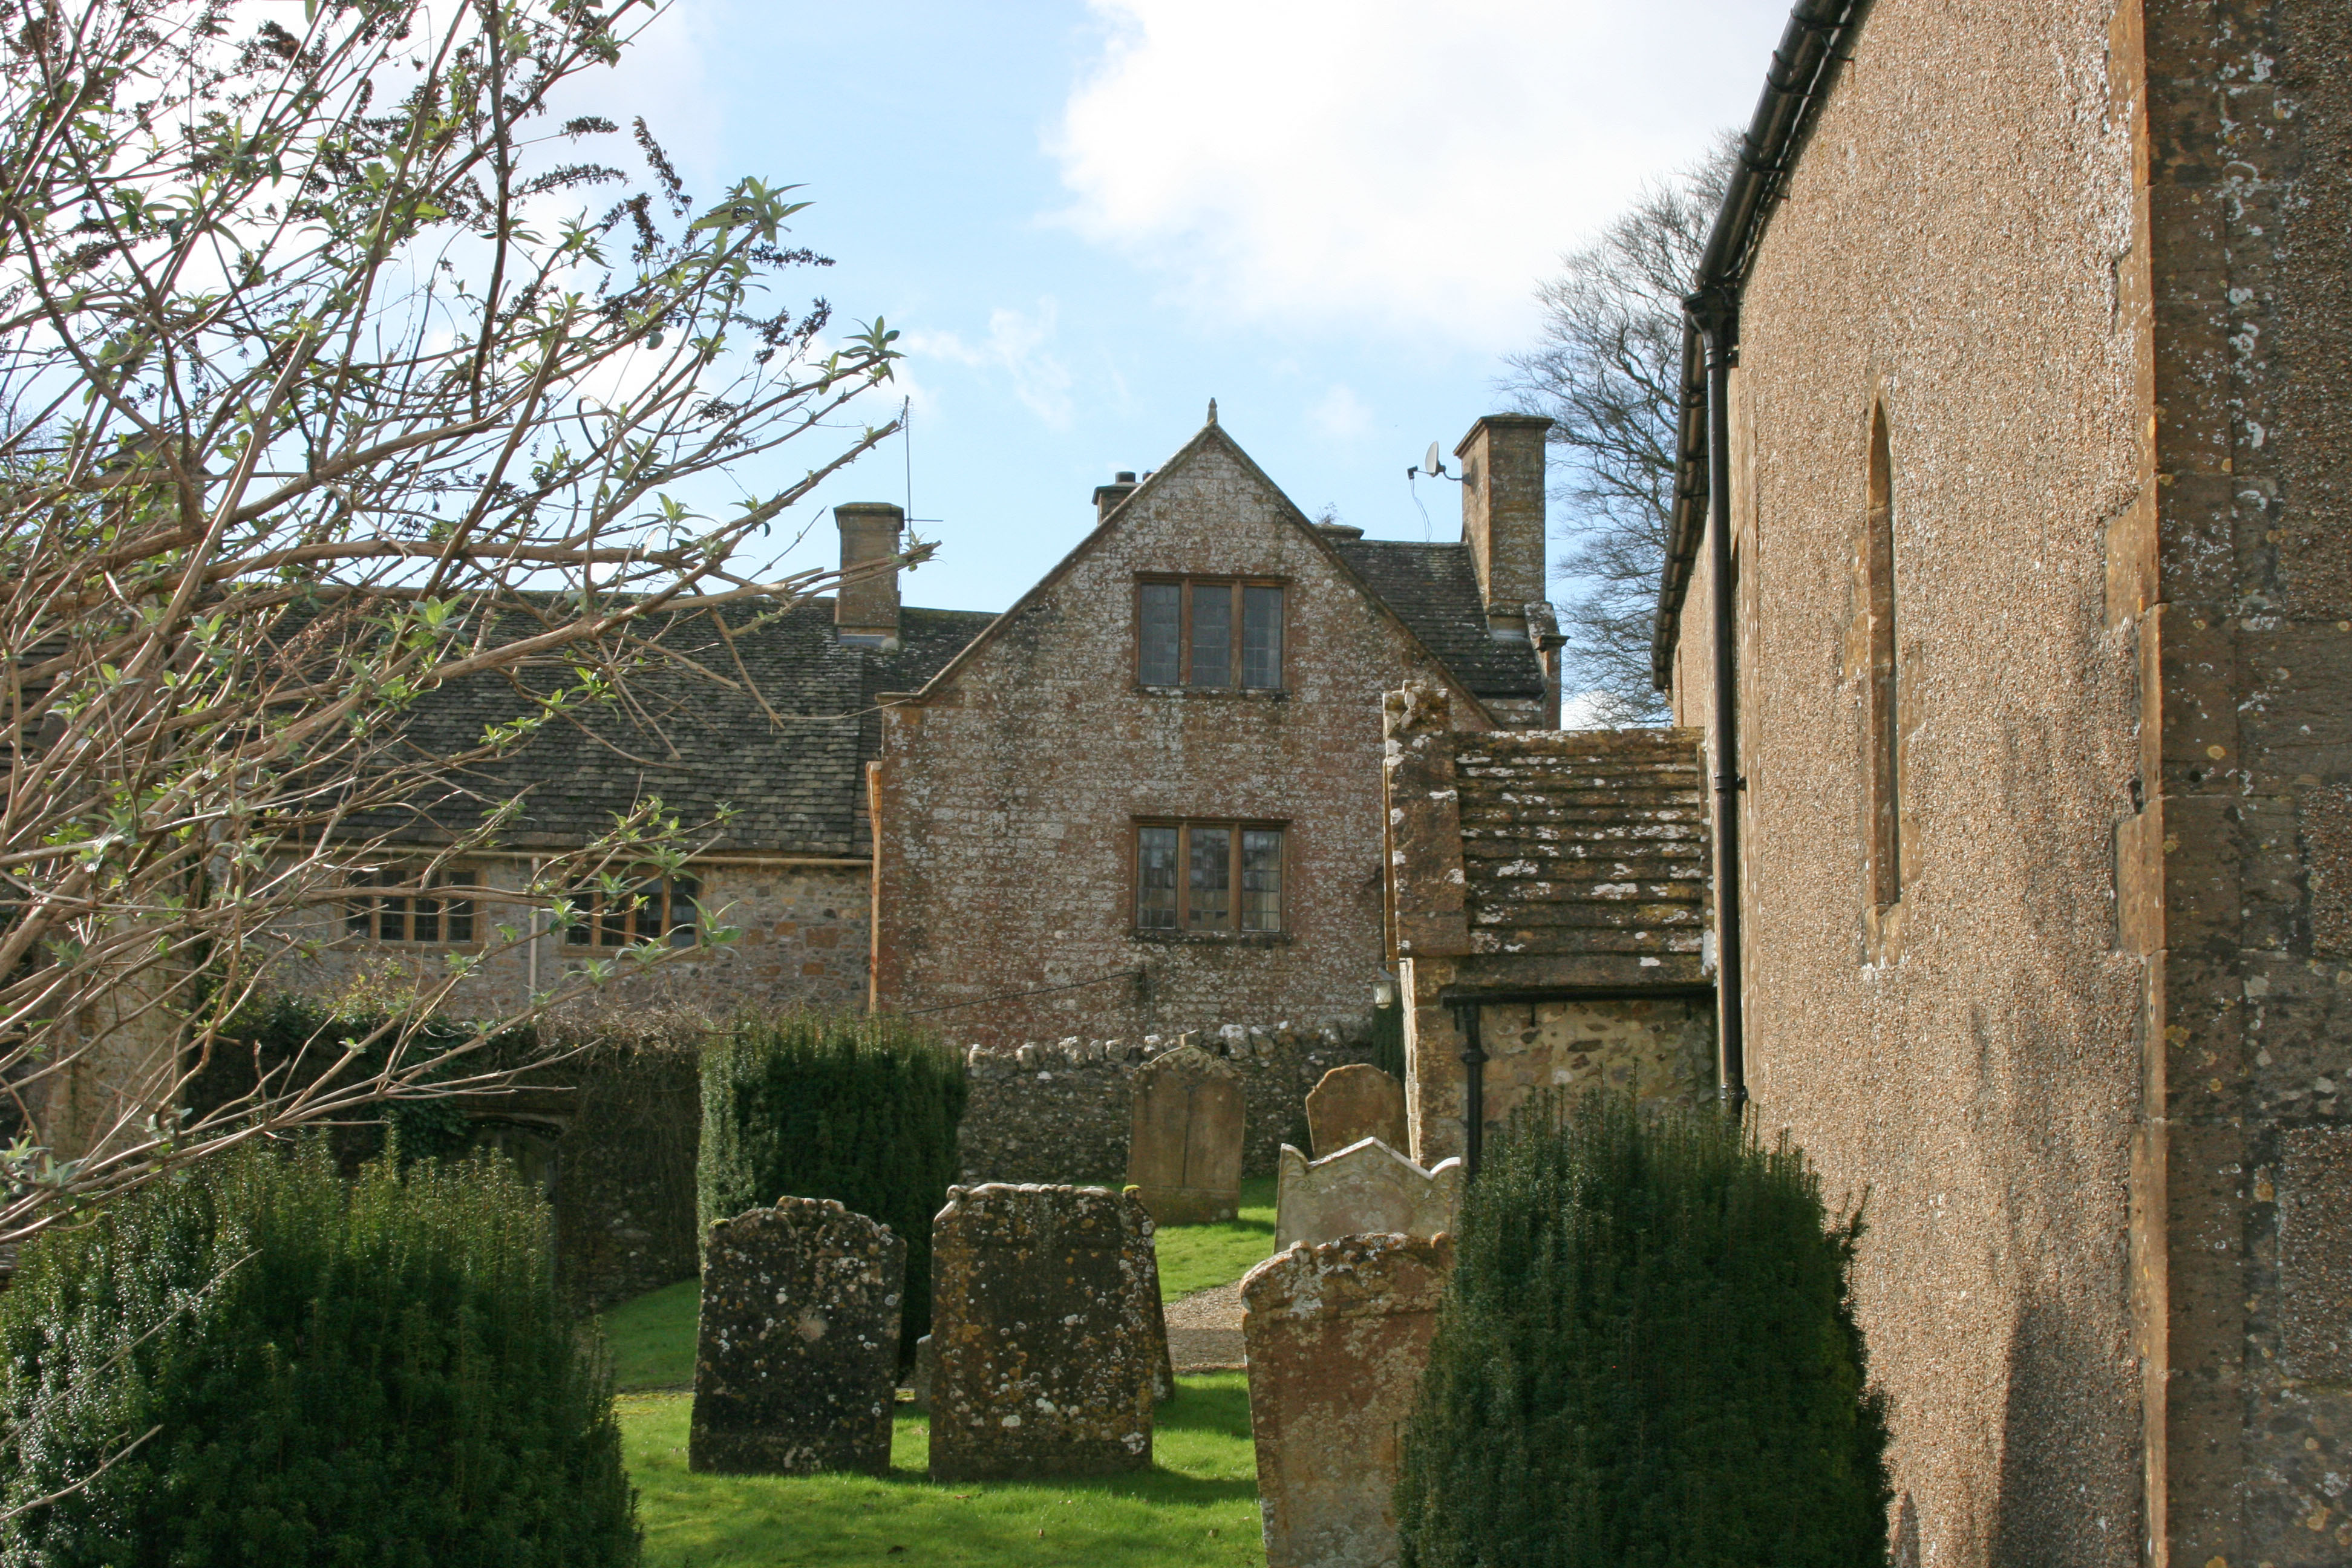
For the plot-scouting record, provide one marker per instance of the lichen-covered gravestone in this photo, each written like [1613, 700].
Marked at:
[1163, 1365]
[1365, 1187]
[1043, 1330]
[1184, 1148]
[1351, 1103]
[796, 1358]
[1338, 1336]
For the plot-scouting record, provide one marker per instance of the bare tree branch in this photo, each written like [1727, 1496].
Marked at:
[319, 393]
[1605, 373]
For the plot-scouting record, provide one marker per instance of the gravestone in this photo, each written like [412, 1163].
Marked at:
[1185, 1150]
[919, 1383]
[1352, 1102]
[1163, 1365]
[1045, 1355]
[796, 1357]
[1365, 1187]
[1338, 1335]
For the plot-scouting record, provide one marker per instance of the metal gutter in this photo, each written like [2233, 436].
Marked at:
[1814, 44]
[1817, 40]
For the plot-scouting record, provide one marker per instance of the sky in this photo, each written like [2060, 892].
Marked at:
[1088, 218]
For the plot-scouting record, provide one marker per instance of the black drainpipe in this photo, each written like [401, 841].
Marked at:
[1474, 1086]
[1716, 313]
[1812, 46]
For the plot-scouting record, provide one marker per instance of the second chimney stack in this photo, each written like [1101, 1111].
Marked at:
[865, 606]
[1503, 515]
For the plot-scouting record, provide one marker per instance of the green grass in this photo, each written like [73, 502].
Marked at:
[1195, 1257]
[1198, 1505]
[652, 1337]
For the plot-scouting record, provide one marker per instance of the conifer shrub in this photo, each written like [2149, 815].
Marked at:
[366, 1370]
[815, 1105]
[1647, 1358]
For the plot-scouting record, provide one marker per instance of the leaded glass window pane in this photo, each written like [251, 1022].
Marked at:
[458, 915]
[1262, 638]
[1209, 880]
[1212, 634]
[1159, 658]
[1155, 879]
[1261, 878]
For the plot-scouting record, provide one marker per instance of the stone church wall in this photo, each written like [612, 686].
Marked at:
[2083, 1058]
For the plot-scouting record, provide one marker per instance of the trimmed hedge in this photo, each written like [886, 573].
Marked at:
[1646, 1359]
[295, 1041]
[373, 1370]
[861, 1111]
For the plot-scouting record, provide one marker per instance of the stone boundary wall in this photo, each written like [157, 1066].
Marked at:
[1060, 1112]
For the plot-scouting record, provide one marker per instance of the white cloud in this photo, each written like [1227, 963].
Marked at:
[1420, 163]
[1584, 710]
[1342, 414]
[1015, 348]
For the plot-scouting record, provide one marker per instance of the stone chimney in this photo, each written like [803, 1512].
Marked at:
[866, 606]
[1108, 496]
[1502, 465]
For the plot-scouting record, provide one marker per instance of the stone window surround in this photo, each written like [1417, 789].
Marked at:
[367, 910]
[593, 927]
[1232, 687]
[1231, 933]
[1885, 869]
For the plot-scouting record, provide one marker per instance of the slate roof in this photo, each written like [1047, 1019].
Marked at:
[1434, 589]
[1585, 845]
[791, 760]
[793, 769]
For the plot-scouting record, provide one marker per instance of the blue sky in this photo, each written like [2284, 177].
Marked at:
[1090, 218]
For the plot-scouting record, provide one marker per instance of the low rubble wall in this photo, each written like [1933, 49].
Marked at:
[1060, 1112]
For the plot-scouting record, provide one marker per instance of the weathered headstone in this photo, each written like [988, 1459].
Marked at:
[1043, 1330]
[1352, 1102]
[797, 1360]
[919, 1381]
[1163, 1365]
[1184, 1151]
[1365, 1187]
[1338, 1335]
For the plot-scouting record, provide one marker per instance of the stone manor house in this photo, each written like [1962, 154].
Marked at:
[1146, 798]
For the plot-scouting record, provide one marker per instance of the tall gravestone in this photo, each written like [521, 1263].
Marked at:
[1354, 1102]
[1365, 1187]
[1184, 1149]
[1338, 1336]
[796, 1357]
[1043, 1330]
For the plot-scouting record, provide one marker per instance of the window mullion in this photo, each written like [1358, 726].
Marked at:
[1233, 849]
[1184, 868]
[1183, 637]
[1237, 613]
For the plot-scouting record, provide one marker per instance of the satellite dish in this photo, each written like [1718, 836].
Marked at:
[1431, 462]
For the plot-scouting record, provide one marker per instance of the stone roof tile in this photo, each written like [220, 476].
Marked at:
[1434, 589]
[781, 735]
[1584, 843]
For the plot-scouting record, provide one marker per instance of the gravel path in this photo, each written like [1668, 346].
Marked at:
[1204, 1329]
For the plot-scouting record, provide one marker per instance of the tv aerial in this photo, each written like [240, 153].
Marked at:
[1433, 464]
